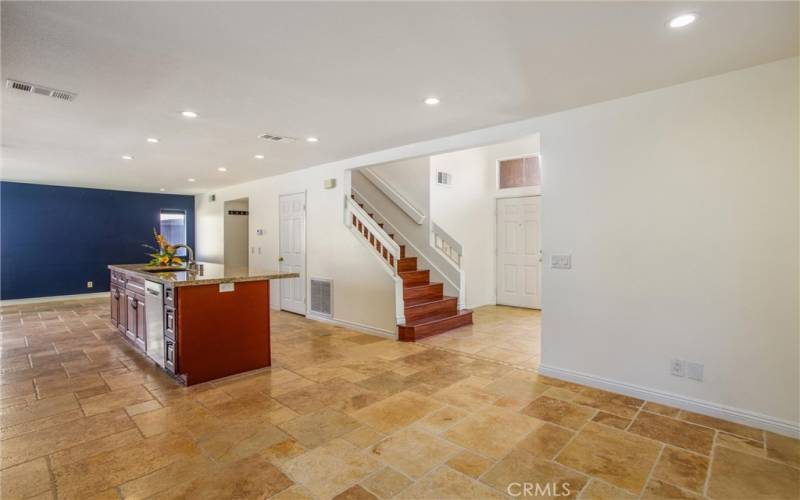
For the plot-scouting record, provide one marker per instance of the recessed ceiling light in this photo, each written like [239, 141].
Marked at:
[683, 20]
[223, 169]
[190, 179]
[189, 114]
[161, 189]
[432, 101]
[259, 157]
[312, 139]
[153, 140]
[127, 157]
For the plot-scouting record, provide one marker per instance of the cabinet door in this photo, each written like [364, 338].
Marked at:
[122, 311]
[114, 306]
[169, 322]
[130, 329]
[141, 323]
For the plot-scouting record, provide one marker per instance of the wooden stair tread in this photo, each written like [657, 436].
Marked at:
[437, 318]
[425, 301]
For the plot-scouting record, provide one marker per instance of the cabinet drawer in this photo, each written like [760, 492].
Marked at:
[169, 322]
[169, 355]
[169, 296]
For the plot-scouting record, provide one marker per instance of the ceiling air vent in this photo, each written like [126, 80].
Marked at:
[276, 138]
[38, 89]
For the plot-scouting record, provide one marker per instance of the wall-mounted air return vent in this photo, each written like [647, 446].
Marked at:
[444, 178]
[41, 90]
[276, 138]
[322, 297]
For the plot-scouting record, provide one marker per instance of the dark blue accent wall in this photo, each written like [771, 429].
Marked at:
[54, 239]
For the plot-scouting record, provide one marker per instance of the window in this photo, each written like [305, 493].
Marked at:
[173, 228]
[519, 172]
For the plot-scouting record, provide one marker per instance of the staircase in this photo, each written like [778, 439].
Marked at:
[427, 310]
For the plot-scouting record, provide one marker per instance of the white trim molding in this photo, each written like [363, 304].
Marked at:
[55, 298]
[765, 422]
[393, 194]
[380, 332]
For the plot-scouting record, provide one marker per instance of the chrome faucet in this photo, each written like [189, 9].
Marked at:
[191, 264]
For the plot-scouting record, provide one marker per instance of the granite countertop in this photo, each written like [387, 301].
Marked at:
[212, 274]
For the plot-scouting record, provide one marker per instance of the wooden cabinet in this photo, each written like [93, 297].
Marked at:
[169, 355]
[141, 322]
[115, 305]
[130, 317]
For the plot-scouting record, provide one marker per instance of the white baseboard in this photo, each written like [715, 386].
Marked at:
[739, 415]
[55, 298]
[355, 326]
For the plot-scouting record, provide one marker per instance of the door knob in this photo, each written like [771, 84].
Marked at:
[280, 259]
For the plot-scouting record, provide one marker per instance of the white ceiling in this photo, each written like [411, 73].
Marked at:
[353, 74]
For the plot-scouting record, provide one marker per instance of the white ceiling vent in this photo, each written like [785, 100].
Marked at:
[38, 89]
[276, 138]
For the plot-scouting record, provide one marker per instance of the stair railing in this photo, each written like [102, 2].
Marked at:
[388, 250]
[451, 248]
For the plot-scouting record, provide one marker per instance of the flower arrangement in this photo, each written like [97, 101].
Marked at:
[164, 255]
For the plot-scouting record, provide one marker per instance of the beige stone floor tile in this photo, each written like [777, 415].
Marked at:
[188, 417]
[331, 468]
[464, 395]
[114, 400]
[112, 468]
[296, 492]
[667, 411]
[736, 475]
[661, 490]
[682, 468]
[234, 441]
[397, 411]
[742, 444]
[784, 449]
[447, 484]
[722, 425]
[56, 385]
[388, 383]
[316, 428]
[470, 464]
[519, 468]
[413, 451]
[363, 437]
[599, 490]
[675, 432]
[282, 451]
[39, 424]
[35, 444]
[138, 408]
[546, 440]
[25, 480]
[251, 477]
[179, 471]
[88, 449]
[386, 483]
[503, 355]
[517, 388]
[355, 493]
[559, 412]
[617, 457]
[492, 431]
[37, 409]
[611, 420]
[609, 402]
[441, 420]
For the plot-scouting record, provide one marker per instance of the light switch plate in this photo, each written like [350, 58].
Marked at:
[677, 368]
[561, 261]
[226, 287]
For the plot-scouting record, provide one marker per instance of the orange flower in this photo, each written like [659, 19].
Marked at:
[164, 259]
[176, 260]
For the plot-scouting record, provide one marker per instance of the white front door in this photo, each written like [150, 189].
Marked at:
[519, 252]
[293, 251]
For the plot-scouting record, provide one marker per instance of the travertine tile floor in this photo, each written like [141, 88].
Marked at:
[506, 334]
[345, 415]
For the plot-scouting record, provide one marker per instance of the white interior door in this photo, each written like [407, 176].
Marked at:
[519, 249]
[293, 251]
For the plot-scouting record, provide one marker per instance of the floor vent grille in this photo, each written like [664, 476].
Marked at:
[322, 297]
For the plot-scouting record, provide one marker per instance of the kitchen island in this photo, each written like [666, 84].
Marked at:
[198, 325]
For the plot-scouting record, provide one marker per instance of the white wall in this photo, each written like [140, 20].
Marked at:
[680, 209]
[466, 208]
[235, 232]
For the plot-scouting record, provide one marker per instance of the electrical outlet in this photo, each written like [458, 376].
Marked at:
[677, 368]
[90, 284]
[694, 371]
